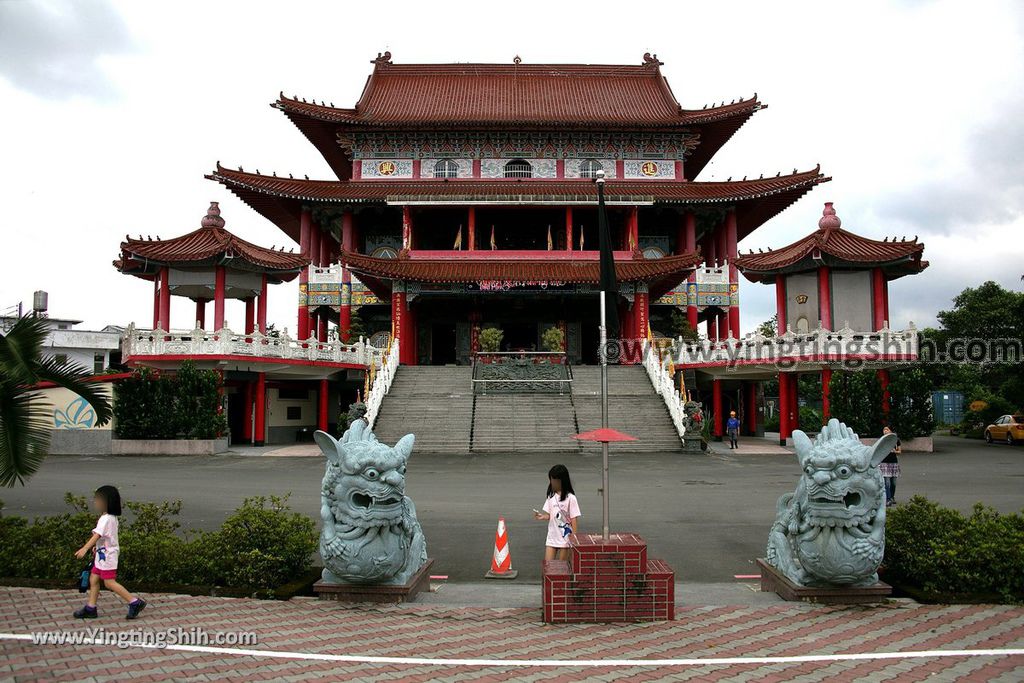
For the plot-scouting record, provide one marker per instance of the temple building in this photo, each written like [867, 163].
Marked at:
[464, 198]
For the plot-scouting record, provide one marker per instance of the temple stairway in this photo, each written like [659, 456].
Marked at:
[436, 404]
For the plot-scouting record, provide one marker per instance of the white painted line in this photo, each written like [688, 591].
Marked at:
[440, 661]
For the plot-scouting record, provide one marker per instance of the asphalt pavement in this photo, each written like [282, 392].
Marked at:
[708, 516]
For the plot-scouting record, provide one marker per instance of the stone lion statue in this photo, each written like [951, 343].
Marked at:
[831, 530]
[370, 532]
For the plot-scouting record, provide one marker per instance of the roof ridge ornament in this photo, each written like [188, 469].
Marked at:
[212, 218]
[829, 220]
[382, 59]
[652, 60]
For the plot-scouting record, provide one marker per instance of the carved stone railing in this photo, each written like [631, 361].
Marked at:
[521, 372]
[224, 342]
[815, 346]
[383, 376]
[657, 366]
[712, 275]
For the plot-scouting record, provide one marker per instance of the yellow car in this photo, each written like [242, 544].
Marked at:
[1008, 428]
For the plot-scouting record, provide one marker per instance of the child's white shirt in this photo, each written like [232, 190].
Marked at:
[107, 548]
[560, 516]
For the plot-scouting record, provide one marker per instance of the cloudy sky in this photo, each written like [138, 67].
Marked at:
[113, 111]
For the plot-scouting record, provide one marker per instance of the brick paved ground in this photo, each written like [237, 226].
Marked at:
[438, 631]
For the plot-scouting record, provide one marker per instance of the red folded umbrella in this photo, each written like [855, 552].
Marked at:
[605, 434]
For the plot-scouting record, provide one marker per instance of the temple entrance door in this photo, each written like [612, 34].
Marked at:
[236, 411]
[442, 344]
[520, 336]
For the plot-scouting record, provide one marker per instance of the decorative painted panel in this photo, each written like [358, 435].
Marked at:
[649, 169]
[387, 168]
[512, 144]
[495, 168]
[465, 167]
[572, 167]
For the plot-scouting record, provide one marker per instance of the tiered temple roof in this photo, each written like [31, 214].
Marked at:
[661, 274]
[518, 97]
[830, 245]
[210, 245]
[280, 199]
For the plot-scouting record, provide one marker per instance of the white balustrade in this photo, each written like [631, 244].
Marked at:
[325, 274]
[385, 374]
[662, 380]
[224, 342]
[712, 275]
[816, 346]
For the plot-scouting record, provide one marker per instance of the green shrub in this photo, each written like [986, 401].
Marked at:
[553, 340]
[810, 419]
[263, 544]
[910, 413]
[855, 397]
[154, 405]
[490, 339]
[947, 554]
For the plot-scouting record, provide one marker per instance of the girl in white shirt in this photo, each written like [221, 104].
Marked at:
[105, 549]
[561, 510]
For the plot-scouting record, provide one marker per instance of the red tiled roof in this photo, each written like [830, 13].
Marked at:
[576, 96]
[211, 244]
[517, 94]
[831, 245]
[662, 274]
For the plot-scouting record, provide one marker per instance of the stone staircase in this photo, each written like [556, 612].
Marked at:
[633, 408]
[436, 404]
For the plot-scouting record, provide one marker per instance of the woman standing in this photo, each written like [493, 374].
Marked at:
[890, 468]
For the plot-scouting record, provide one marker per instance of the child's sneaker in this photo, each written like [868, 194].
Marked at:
[135, 606]
[86, 612]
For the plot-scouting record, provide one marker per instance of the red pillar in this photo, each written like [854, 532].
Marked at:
[885, 301]
[314, 243]
[568, 228]
[688, 242]
[156, 300]
[406, 227]
[825, 297]
[780, 303]
[261, 409]
[723, 326]
[883, 379]
[201, 313]
[250, 315]
[878, 303]
[750, 408]
[633, 228]
[321, 329]
[261, 307]
[218, 297]
[785, 427]
[305, 222]
[731, 238]
[472, 228]
[710, 249]
[247, 397]
[712, 327]
[345, 312]
[165, 298]
[642, 306]
[716, 399]
[321, 422]
[326, 248]
[692, 317]
[826, 406]
[410, 335]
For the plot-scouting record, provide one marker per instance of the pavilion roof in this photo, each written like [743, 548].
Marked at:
[660, 274]
[208, 246]
[518, 96]
[830, 245]
[280, 199]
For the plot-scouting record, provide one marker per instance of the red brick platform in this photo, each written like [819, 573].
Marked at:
[608, 581]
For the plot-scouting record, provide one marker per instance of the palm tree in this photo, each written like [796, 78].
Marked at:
[24, 424]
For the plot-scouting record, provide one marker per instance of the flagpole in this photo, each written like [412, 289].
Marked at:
[603, 353]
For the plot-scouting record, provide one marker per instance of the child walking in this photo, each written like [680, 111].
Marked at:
[890, 468]
[561, 511]
[103, 544]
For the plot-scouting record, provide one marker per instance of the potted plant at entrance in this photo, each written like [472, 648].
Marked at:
[490, 342]
[553, 341]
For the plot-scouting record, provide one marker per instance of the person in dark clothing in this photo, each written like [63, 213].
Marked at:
[732, 428]
[890, 468]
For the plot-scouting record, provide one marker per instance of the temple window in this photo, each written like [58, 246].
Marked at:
[518, 168]
[589, 168]
[446, 168]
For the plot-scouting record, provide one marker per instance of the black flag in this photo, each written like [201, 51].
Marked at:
[607, 283]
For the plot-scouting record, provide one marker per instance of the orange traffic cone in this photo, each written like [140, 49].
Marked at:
[501, 561]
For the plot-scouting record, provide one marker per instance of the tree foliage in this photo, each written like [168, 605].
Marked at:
[24, 423]
[855, 397]
[910, 410]
[155, 405]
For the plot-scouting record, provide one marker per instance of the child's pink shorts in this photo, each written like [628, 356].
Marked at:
[105, 574]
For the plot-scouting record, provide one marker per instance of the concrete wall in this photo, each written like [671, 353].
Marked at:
[802, 317]
[80, 441]
[168, 446]
[68, 411]
[851, 299]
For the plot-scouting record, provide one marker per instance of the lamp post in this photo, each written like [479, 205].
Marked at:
[604, 238]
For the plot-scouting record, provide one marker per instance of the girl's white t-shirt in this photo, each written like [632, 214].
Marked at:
[107, 548]
[561, 513]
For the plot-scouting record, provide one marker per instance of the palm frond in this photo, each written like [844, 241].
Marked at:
[72, 377]
[20, 349]
[24, 433]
